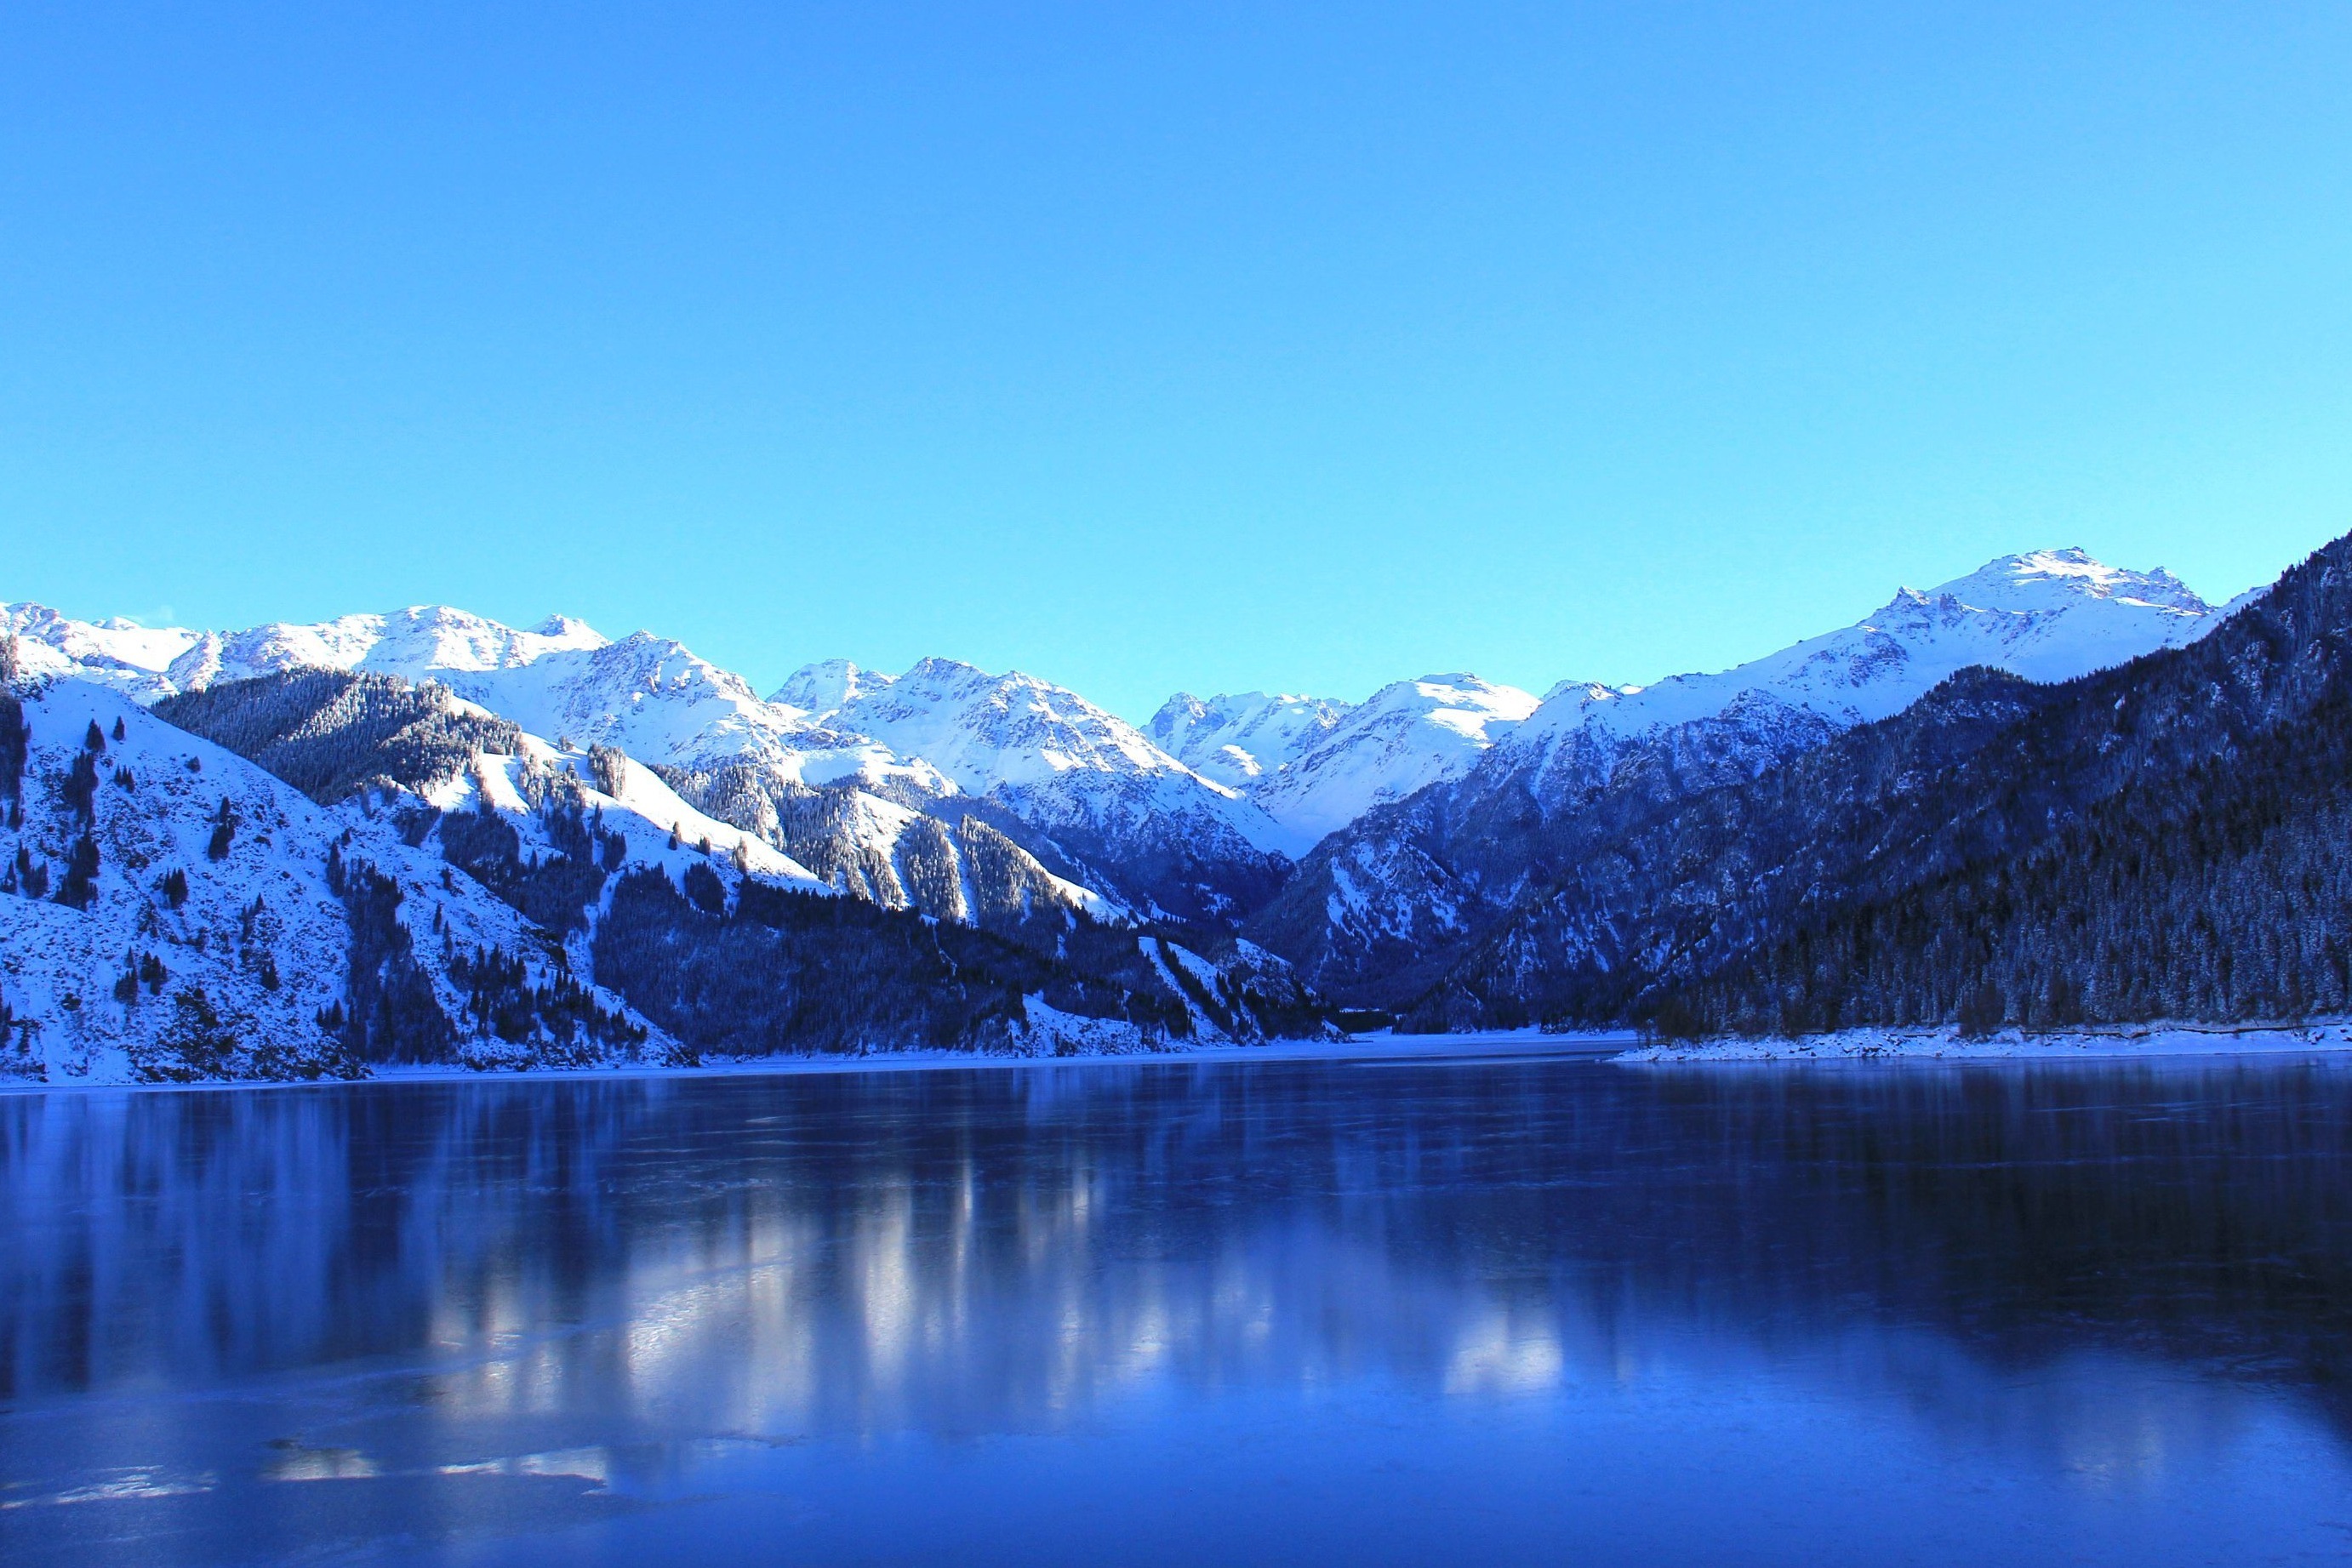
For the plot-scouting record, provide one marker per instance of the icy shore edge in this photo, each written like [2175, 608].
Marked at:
[1528, 1044]
[1531, 1045]
[2129, 1041]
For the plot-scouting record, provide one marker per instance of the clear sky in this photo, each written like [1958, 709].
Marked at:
[1215, 346]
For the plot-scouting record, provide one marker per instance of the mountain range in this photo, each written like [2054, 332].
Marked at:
[1241, 864]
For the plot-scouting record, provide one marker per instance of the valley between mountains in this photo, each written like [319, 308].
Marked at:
[2048, 793]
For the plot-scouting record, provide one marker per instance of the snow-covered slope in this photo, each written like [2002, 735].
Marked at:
[115, 654]
[1237, 739]
[413, 643]
[1409, 734]
[246, 922]
[1379, 907]
[988, 731]
[943, 730]
[662, 830]
[2048, 616]
[827, 686]
[1147, 827]
[651, 697]
[1315, 765]
[943, 860]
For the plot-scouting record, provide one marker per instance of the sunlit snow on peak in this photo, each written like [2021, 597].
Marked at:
[2050, 580]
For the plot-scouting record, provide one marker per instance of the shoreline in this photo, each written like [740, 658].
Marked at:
[2122, 1042]
[2171, 1042]
[1530, 1044]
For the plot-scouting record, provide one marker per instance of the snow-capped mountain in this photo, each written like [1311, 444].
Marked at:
[323, 872]
[415, 643]
[1107, 810]
[1314, 763]
[2162, 839]
[954, 792]
[1237, 739]
[117, 654]
[827, 686]
[1381, 905]
[1142, 822]
[1409, 734]
[2048, 616]
[171, 910]
[650, 696]
[941, 857]
[549, 845]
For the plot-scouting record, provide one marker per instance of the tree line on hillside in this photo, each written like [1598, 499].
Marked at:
[2162, 839]
[332, 733]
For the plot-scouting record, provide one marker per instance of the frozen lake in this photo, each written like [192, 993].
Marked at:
[1498, 1312]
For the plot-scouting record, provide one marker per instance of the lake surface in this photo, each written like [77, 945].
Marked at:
[1492, 1312]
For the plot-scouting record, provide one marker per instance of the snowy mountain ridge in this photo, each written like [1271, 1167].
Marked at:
[1213, 799]
[1240, 738]
[945, 729]
[204, 877]
[481, 796]
[2048, 616]
[1381, 902]
[1406, 735]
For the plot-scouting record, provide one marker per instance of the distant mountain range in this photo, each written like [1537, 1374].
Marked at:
[1010, 862]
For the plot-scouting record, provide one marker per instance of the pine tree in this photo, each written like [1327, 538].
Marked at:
[79, 887]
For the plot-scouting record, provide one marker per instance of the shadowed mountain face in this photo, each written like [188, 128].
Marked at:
[2161, 839]
[1397, 899]
[515, 1305]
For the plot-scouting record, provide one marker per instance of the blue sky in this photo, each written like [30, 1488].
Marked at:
[1143, 346]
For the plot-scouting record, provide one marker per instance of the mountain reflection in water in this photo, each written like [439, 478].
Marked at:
[1174, 1312]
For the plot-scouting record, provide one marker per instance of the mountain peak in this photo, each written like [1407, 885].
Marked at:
[2048, 579]
[1407, 734]
[1235, 737]
[828, 685]
[569, 630]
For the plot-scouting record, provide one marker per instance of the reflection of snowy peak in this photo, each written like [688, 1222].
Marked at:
[1409, 734]
[1240, 738]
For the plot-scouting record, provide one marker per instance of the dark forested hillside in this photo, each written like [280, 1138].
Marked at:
[331, 733]
[2159, 839]
[787, 971]
[2222, 892]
